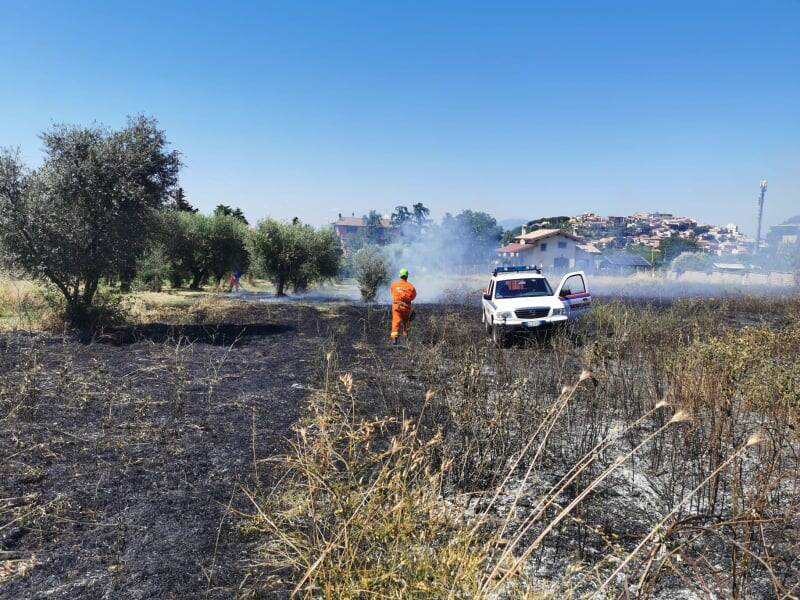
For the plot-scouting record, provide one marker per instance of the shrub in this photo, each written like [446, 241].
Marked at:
[370, 270]
[693, 261]
[108, 310]
[152, 270]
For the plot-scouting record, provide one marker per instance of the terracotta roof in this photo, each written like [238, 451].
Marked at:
[541, 234]
[513, 248]
[359, 222]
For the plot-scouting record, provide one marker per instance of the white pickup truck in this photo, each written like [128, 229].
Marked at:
[520, 298]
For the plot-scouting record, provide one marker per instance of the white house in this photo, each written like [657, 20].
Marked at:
[553, 249]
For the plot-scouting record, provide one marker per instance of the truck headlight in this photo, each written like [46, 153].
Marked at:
[558, 312]
[502, 316]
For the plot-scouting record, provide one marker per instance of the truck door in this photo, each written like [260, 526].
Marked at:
[486, 303]
[574, 293]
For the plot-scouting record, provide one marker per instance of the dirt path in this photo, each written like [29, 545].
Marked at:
[119, 460]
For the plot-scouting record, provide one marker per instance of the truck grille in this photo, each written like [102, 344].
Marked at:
[532, 313]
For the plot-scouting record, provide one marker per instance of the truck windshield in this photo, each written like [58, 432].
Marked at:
[522, 288]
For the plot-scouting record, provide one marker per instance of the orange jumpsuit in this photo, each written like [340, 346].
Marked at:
[403, 293]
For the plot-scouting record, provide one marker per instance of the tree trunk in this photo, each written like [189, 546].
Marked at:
[89, 291]
[59, 284]
[197, 279]
[126, 276]
[280, 285]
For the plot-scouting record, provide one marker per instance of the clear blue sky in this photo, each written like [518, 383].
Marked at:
[520, 109]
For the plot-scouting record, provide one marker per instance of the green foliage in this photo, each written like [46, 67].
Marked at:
[479, 230]
[401, 216]
[509, 235]
[468, 238]
[200, 247]
[421, 214]
[90, 209]
[374, 231]
[411, 224]
[223, 210]
[370, 268]
[294, 254]
[324, 263]
[179, 202]
[107, 310]
[674, 246]
[153, 269]
[693, 261]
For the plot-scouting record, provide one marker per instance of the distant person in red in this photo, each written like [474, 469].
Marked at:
[403, 294]
[233, 283]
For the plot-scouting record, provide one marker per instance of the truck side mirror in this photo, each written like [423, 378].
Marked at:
[487, 296]
[565, 292]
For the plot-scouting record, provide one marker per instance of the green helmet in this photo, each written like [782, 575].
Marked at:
[403, 272]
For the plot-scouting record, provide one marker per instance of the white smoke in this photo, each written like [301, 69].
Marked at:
[447, 263]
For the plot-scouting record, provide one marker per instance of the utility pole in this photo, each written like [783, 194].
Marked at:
[760, 214]
[652, 261]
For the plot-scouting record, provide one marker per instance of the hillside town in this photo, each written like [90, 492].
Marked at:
[616, 244]
[651, 229]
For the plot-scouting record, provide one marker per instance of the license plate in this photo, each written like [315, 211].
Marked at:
[532, 323]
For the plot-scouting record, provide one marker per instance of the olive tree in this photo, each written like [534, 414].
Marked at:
[370, 268]
[200, 247]
[324, 262]
[294, 253]
[90, 208]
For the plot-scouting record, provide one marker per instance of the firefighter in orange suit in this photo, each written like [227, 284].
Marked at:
[403, 293]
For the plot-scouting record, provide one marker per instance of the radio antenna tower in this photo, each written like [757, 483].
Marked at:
[760, 214]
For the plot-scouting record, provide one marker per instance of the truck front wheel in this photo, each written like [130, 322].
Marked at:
[499, 336]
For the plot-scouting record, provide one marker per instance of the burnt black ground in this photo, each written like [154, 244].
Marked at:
[128, 498]
[123, 460]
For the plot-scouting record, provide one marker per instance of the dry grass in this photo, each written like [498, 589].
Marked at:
[27, 305]
[547, 486]
[351, 486]
[23, 304]
[16, 568]
[652, 448]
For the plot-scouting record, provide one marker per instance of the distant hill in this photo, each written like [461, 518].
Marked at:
[512, 223]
